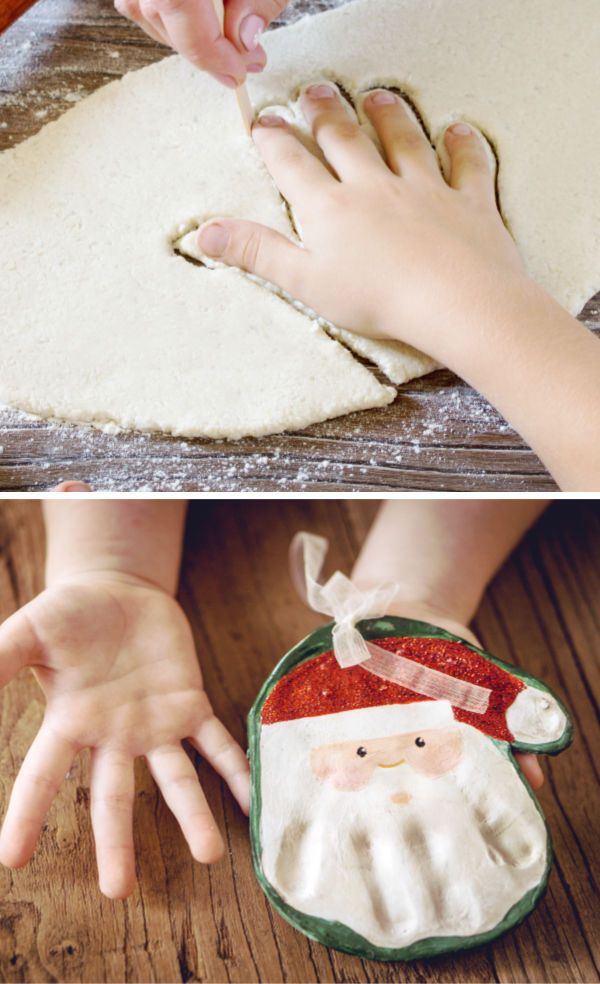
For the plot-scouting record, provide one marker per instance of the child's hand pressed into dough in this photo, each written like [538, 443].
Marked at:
[116, 660]
[192, 28]
[392, 250]
[389, 249]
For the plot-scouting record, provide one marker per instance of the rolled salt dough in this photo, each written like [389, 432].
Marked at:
[103, 322]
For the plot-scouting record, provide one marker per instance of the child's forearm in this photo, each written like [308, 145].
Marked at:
[138, 539]
[441, 553]
[541, 368]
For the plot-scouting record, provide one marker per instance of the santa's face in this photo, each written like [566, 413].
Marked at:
[350, 765]
[398, 833]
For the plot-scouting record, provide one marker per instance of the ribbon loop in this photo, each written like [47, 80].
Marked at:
[338, 597]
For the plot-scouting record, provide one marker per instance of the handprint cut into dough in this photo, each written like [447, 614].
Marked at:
[398, 361]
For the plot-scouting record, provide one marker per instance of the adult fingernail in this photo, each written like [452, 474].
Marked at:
[460, 129]
[320, 91]
[270, 120]
[73, 487]
[382, 97]
[227, 80]
[254, 68]
[251, 29]
[213, 239]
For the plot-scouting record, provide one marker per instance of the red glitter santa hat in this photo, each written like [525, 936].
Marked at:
[320, 686]
[411, 673]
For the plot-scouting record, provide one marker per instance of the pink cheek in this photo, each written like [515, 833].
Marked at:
[348, 777]
[351, 779]
[437, 761]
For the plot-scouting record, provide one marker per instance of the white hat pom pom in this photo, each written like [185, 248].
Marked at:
[535, 717]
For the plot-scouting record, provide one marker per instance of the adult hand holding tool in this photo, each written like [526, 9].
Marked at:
[192, 27]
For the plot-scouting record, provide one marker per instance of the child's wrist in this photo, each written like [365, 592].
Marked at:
[470, 335]
[437, 615]
[133, 539]
[96, 569]
[417, 602]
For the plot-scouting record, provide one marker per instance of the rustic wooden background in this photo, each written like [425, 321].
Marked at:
[438, 434]
[187, 922]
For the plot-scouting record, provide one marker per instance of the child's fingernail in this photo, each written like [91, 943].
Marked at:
[382, 97]
[227, 80]
[254, 68]
[321, 91]
[251, 29]
[460, 129]
[270, 120]
[213, 239]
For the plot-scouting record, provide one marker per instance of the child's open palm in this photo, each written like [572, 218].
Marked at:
[116, 660]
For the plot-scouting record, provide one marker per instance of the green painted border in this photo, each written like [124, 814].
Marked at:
[336, 934]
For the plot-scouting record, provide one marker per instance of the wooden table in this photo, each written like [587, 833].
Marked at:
[187, 922]
[438, 434]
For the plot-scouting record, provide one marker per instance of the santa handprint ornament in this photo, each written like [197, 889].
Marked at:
[389, 817]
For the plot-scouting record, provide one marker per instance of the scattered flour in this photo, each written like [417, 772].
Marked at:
[418, 434]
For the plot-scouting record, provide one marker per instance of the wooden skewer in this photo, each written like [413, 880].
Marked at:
[241, 93]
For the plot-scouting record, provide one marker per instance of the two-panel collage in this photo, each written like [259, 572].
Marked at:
[299, 491]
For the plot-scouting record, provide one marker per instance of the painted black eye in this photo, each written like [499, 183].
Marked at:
[361, 751]
[420, 742]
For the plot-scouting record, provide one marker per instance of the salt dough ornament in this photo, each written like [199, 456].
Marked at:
[389, 817]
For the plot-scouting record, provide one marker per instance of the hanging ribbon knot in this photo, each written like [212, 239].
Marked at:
[338, 597]
[347, 605]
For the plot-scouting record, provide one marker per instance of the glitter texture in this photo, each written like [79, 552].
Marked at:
[320, 686]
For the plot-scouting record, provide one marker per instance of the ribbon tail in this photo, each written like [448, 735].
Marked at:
[306, 557]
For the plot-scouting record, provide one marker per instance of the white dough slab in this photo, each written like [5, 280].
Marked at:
[101, 322]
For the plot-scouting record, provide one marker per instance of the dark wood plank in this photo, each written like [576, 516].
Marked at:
[188, 922]
[438, 434]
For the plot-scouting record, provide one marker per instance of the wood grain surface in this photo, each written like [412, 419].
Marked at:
[187, 922]
[438, 434]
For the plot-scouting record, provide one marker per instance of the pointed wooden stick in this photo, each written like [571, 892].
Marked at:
[241, 93]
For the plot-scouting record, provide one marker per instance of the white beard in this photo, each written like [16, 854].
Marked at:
[449, 862]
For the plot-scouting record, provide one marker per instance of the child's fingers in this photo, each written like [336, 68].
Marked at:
[177, 780]
[112, 788]
[407, 149]
[298, 174]
[218, 747]
[531, 768]
[45, 766]
[351, 153]
[18, 645]
[470, 169]
[256, 249]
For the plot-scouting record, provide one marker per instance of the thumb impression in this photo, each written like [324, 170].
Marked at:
[255, 249]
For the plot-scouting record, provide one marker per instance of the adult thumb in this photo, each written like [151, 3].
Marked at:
[255, 249]
[245, 21]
